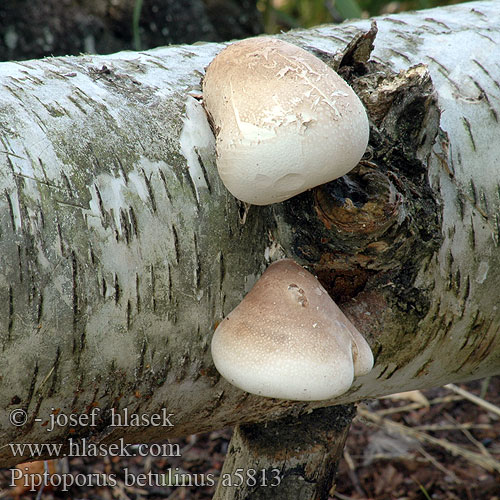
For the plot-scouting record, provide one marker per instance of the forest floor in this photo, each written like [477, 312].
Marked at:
[440, 444]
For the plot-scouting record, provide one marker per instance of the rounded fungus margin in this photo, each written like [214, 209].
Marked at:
[284, 121]
[288, 339]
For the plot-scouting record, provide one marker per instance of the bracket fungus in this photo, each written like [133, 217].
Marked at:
[284, 121]
[288, 339]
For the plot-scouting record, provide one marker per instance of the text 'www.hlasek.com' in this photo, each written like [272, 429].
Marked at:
[33, 480]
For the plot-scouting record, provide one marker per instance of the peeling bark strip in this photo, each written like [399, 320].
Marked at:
[120, 250]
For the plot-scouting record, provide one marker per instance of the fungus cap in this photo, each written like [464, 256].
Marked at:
[287, 339]
[284, 121]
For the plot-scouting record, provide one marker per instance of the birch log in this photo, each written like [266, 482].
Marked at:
[120, 250]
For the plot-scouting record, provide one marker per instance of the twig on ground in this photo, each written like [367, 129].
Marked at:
[438, 465]
[451, 427]
[471, 438]
[351, 471]
[487, 463]
[475, 399]
[341, 497]
[417, 406]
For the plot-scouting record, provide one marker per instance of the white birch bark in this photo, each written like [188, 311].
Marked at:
[120, 250]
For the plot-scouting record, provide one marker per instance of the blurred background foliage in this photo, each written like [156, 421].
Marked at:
[40, 28]
[281, 15]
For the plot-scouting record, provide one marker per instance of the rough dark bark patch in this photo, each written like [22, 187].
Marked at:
[297, 457]
[374, 225]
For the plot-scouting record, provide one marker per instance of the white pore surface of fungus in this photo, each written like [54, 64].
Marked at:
[284, 121]
[287, 339]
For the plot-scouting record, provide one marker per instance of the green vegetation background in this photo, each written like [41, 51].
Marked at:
[285, 14]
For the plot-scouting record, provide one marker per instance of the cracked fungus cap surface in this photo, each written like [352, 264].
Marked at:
[284, 121]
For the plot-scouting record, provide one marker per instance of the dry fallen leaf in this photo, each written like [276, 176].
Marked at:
[32, 471]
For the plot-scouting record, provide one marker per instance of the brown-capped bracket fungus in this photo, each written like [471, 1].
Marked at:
[288, 339]
[284, 121]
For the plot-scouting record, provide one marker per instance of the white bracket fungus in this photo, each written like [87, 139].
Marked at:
[287, 339]
[284, 121]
